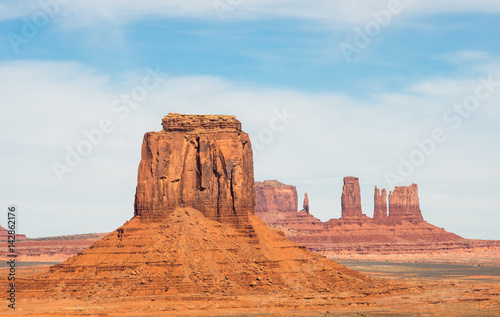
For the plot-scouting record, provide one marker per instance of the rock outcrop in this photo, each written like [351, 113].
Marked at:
[203, 162]
[271, 195]
[380, 206]
[351, 198]
[305, 205]
[404, 205]
[169, 247]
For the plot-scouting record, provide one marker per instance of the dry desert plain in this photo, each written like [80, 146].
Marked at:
[453, 284]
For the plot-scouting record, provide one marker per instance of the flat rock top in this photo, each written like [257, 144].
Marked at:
[350, 179]
[270, 183]
[200, 123]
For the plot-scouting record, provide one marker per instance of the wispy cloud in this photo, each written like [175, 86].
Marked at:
[467, 56]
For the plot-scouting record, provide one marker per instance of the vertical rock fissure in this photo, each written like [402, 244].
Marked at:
[199, 167]
[218, 198]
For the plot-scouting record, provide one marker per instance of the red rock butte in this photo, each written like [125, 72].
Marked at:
[404, 205]
[194, 230]
[351, 198]
[351, 201]
[203, 162]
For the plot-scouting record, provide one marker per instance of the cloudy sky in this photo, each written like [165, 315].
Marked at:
[393, 92]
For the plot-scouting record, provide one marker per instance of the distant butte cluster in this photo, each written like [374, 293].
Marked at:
[403, 205]
[397, 225]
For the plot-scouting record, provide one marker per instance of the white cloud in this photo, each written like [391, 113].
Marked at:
[333, 135]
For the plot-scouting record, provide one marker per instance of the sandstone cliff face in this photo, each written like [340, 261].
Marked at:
[404, 205]
[351, 198]
[380, 206]
[203, 162]
[271, 195]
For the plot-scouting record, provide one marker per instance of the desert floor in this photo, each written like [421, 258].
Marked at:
[453, 284]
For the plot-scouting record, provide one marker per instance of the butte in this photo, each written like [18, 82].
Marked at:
[194, 229]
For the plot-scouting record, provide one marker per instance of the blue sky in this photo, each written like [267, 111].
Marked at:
[262, 61]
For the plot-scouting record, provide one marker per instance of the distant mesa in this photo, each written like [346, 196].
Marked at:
[4, 235]
[273, 195]
[194, 230]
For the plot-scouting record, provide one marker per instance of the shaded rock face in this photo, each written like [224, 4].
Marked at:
[351, 198]
[306, 203]
[404, 205]
[380, 206]
[203, 162]
[271, 195]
